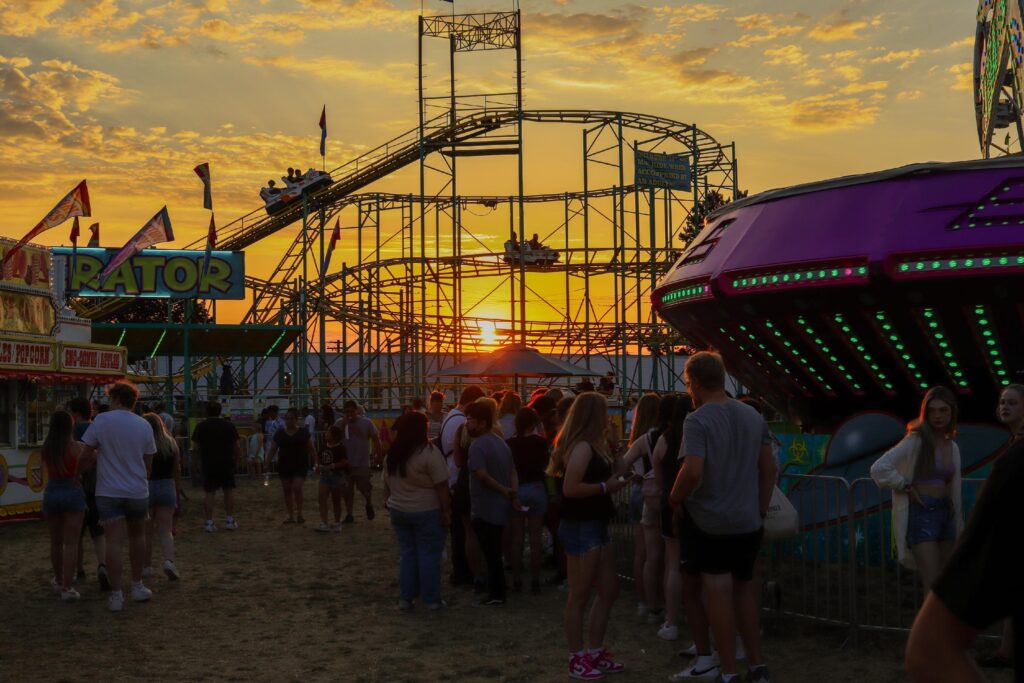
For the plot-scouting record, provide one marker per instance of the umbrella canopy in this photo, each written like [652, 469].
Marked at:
[514, 361]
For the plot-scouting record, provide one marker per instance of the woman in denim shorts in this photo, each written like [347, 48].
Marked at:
[63, 501]
[164, 487]
[923, 470]
[582, 459]
[531, 455]
[333, 468]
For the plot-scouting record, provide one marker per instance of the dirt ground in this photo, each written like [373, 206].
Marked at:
[275, 602]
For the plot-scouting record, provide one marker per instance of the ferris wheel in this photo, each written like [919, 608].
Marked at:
[999, 76]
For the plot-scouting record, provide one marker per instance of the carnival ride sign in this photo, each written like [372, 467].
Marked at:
[999, 49]
[164, 273]
[669, 171]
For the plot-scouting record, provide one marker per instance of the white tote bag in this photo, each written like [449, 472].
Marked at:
[782, 520]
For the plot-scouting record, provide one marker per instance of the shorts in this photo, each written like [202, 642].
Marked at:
[336, 481]
[112, 508]
[636, 504]
[293, 469]
[219, 476]
[162, 493]
[63, 496]
[579, 538]
[92, 518]
[651, 515]
[535, 497]
[360, 475]
[702, 553]
[932, 523]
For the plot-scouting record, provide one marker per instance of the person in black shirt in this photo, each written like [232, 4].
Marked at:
[333, 468]
[530, 454]
[219, 448]
[81, 411]
[295, 446]
[979, 586]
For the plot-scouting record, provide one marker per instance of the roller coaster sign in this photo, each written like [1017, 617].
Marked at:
[669, 171]
[157, 273]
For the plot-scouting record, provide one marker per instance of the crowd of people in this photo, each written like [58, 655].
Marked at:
[494, 472]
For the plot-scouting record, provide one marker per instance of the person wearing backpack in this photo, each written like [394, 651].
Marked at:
[461, 573]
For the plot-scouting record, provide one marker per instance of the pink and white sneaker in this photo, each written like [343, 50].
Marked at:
[606, 664]
[582, 668]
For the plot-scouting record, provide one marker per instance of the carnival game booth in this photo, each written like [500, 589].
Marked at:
[46, 359]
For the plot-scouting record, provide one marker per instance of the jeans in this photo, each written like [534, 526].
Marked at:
[933, 523]
[489, 535]
[420, 544]
[63, 495]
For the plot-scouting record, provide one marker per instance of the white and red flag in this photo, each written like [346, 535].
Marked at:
[75, 203]
[155, 231]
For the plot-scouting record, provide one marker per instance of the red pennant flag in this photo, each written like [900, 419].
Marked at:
[155, 231]
[335, 236]
[94, 236]
[75, 232]
[75, 203]
[203, 171]
[211, 243]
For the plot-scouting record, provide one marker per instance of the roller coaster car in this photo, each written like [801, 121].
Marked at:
[542, 256]
[278, 199]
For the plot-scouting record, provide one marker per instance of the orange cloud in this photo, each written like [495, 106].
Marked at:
[789, 55]
[839, 26]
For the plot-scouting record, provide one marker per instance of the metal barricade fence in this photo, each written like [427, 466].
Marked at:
[841, 568]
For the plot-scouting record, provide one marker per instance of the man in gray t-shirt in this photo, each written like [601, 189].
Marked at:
[724, 486]
[492, 488]
[360, 433]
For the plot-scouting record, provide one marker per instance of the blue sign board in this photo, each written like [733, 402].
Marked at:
[157, 273]
[669, 171]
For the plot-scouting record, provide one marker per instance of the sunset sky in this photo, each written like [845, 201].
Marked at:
[132, 94]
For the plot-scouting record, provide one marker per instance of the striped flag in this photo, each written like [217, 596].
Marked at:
[335, 236]
[211, 244]
[203, 171]
[155, 231]
[94, 236]
[75, 203]
[323, 131]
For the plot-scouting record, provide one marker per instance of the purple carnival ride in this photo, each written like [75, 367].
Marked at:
[858, 293]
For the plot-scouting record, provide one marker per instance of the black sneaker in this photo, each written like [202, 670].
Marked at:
[757, 674]
[349, 519]
[101, 575]
[369, 512]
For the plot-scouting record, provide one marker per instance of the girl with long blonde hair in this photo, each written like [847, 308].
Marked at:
[164, 489]
[582, 461]
[923, 470]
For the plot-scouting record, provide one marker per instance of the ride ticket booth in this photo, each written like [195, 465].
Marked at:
[46, 359]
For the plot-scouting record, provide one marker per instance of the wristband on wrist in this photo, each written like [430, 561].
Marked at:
[604, 488]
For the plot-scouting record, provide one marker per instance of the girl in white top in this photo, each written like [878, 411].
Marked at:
[647, 552]
[923, 471]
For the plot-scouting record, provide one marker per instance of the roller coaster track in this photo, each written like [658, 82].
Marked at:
[438, 133]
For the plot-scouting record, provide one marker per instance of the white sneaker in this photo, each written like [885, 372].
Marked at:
[641, 610]
[338, 527]
[140, 593]
[209, 527]
[171, 570]
[668, 632]
[70, 595]
[701, 668]
[231, 525]
[741, 653]
[115, 601]
[321, 527]
[147, 572]
[690, 651]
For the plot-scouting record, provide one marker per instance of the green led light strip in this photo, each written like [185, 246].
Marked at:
[854, 342]
[922, 265]
[940, 341]
[827, 353]
[797, 356]
[989, 341]
[688, 293]
[742, 348]
[788, 278]
[899, 349]
[768, 352]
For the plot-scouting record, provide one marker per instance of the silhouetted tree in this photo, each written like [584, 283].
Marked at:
[155, 311]
[712, 201]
